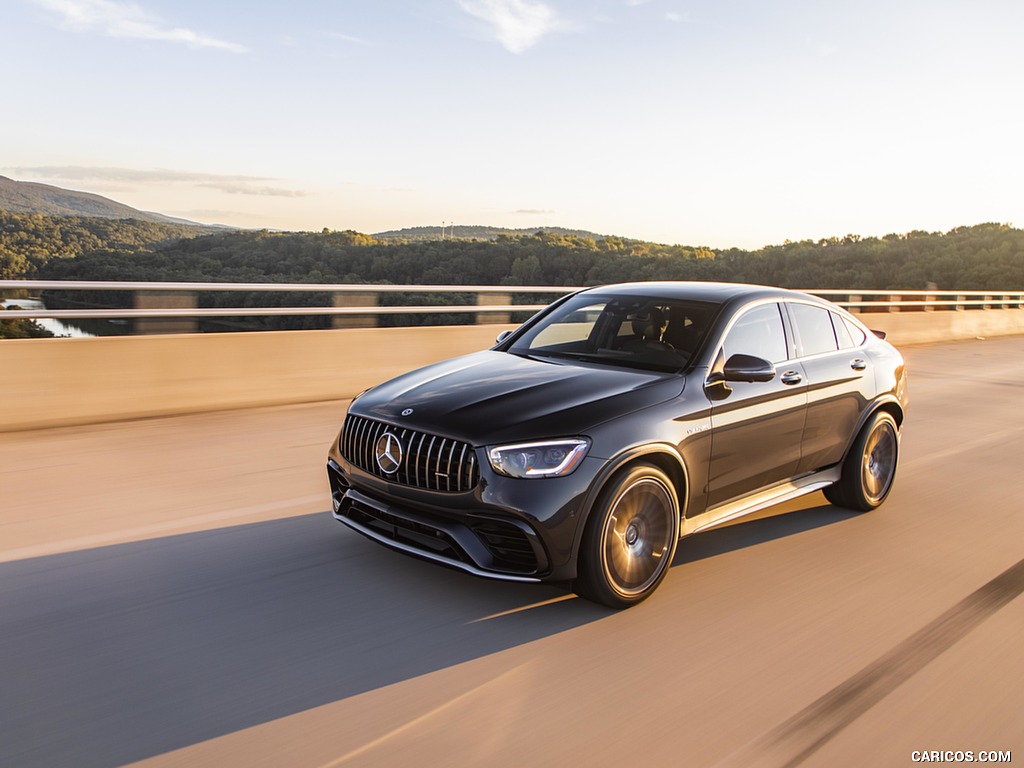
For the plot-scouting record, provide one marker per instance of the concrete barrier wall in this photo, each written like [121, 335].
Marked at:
[60, 382]
[904, 328]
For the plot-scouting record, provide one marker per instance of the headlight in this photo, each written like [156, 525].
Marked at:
[549, 458]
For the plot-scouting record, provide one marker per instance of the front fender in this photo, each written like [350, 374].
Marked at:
[663, 454]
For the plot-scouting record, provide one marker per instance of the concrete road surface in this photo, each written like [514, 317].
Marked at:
[173, 592]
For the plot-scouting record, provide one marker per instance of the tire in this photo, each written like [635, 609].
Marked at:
[870, 466]
[630, 538]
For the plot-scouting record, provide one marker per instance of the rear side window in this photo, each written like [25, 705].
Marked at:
[814, 332]
[760, 333]
[858, 336]
[843, 335]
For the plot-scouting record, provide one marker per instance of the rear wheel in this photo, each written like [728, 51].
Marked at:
[870, 467]
[630, 538]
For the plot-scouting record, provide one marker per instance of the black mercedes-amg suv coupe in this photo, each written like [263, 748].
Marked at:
[588, 441]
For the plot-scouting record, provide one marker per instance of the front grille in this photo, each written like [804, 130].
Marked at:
[428, 461]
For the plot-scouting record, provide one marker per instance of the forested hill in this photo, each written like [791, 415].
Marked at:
[29, 197]
[982, 257]
[29, 241]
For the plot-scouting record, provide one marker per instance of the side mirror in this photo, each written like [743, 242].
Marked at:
[748, 368]
[502, 336]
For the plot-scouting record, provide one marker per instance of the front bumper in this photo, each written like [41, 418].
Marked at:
[506, 529]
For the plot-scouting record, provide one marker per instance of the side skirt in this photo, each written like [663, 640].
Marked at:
[731, 510]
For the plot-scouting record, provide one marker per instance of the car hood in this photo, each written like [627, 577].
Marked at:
[493, 397]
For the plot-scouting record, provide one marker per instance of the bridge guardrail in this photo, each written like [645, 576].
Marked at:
[493, 301]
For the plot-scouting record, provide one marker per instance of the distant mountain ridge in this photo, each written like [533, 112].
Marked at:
[28, 197]
[33, 197]
[469, 232]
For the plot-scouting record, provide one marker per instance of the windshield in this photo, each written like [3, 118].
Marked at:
[638, 332]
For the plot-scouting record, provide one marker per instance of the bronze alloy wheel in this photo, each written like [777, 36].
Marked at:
[878, 461]
[870, 466]
[631, 537]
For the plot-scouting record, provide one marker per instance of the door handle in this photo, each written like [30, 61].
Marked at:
[858, 365]
[791, 377]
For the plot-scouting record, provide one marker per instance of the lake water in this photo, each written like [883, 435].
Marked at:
[54, 326]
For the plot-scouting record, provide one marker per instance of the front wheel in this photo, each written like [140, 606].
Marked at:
[630, 538]
[870, 467]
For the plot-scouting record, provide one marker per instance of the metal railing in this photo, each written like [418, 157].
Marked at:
[358, 291]
[928, 300]
[362, 299]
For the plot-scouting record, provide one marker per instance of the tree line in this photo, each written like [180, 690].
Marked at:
[28, 241]
[982, 257]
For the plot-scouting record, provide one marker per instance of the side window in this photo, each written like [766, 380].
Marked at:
[814, 331]
[858, 336]
[758, 332]
[842, 332]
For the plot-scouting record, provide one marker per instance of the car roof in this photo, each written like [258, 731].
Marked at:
[696, 290]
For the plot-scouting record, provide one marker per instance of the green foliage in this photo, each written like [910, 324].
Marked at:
[982, 257]
[30, 240]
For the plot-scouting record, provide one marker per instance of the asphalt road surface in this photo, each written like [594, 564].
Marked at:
[173, 592]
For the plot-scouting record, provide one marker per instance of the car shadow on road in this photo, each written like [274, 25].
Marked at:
[115, 654]
[119, 653]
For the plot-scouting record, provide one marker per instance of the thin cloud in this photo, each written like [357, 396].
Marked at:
[127, 20]
[232, 185]
[516, 24]
[204, 213]
[106, 173]
[348, 38]
[535, 211]
[242, 189]
[677, 17]
[218, 215]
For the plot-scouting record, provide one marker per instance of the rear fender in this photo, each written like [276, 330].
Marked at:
[891, 405]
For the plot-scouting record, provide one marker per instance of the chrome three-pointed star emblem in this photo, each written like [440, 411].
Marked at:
[389, 453]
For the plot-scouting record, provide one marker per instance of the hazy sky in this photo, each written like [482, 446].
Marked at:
[705, 123]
